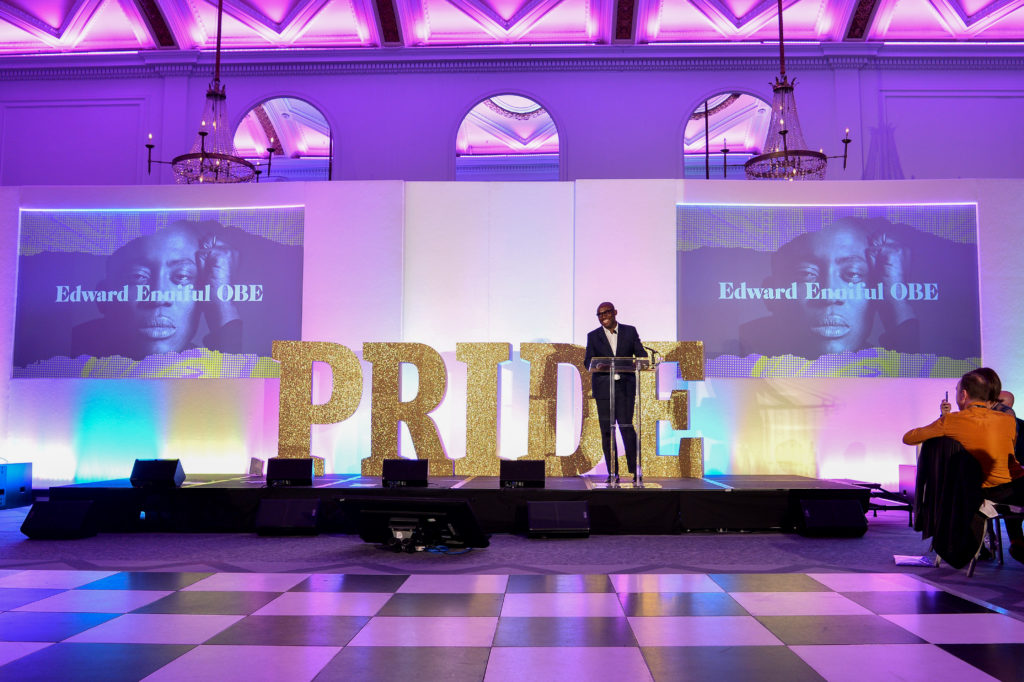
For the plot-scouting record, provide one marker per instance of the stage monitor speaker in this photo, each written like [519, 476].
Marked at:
[404, 473]
[569, 519]
[157, 473]
[289, 471]
[288, 516]
[908, 481]
[522, 473]
[15, 485]
[60, 520]
[831, 518]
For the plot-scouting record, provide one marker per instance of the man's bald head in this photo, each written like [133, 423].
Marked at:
[606, 315]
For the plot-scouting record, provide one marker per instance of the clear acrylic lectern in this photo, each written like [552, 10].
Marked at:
[614, 367]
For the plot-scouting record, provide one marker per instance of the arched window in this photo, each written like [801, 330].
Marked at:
[730, 120]
[297, 133]
[507, 137]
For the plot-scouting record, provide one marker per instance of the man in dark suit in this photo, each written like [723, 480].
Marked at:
[612, 339]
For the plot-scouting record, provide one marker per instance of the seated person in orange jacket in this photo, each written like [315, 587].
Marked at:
[989, 436]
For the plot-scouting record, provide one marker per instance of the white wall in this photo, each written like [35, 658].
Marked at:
[921, 111]
[442, 262]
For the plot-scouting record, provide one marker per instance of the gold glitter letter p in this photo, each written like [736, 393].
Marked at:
[296, 411]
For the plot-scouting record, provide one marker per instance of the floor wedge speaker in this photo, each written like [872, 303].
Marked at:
[60, 520]
[288, 517]
[558, 519]
[831, 519]
[289, 471]
[525, 473]
[157, 473]
[404, 473]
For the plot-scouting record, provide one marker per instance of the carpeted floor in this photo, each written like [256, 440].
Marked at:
[888, 535]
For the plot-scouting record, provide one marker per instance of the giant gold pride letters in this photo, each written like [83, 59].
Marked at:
[298, 413]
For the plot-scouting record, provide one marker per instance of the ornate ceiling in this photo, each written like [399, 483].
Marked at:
[59, 26]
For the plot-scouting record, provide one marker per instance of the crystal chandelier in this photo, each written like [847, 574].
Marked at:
[213, 158]
[785, 155]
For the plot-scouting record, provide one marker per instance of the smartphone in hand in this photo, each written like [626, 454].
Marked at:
[944, 406]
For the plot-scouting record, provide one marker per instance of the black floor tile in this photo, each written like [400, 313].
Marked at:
[45, 626]
[564, 632]
[767, 582]
[914, 602]
[559, 583]
[292, 631]
[837, 630]
[680, 604]
[350, 583]
[13, 597]
[464, 605]
[760, 663]
[1002, 661]
[203, 602]
[377, 663]
[146, 580]
[92, 662]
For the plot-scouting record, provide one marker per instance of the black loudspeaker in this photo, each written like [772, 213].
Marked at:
[288, 517]
[522, 473]
[157, 473]
[289, 471]
[404, 473]
[831, 519]
[15, 485]
[558, 519]
[60, 520]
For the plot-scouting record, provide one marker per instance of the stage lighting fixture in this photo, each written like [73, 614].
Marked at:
[416, 524]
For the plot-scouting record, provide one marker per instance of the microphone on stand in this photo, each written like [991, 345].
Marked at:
[654, 355]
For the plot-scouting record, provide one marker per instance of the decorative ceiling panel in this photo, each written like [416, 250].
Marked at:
[61, 26]
[948, 20]
[737, 121]
[743, 20]
[476, 22]
[507, 124]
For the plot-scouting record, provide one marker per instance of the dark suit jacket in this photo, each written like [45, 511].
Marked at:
[946, 502]
[628, 346]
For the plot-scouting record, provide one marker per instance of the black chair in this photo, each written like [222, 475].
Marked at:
[995, 513]
[948, 497]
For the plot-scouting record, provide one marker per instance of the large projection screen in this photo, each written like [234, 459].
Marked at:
[156, 293]
[830, 291]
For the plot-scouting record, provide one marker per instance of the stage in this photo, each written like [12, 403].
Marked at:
[228, 503]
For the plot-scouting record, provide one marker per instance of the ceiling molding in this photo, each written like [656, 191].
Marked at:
[595, 59]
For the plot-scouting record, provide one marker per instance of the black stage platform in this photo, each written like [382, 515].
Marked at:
[228, 503]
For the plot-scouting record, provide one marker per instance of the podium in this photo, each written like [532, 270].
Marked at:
[615, 367]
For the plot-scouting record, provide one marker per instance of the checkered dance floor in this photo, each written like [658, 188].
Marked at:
[105, 625]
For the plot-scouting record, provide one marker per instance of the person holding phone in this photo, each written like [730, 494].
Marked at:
[989, 436]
